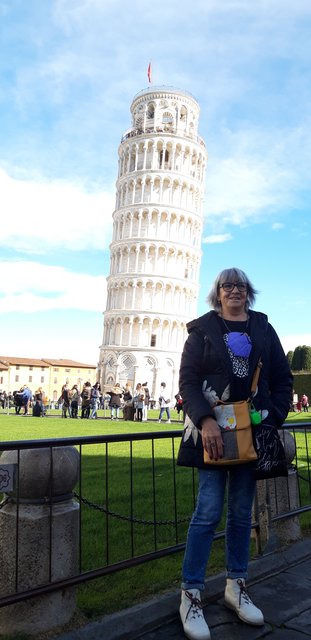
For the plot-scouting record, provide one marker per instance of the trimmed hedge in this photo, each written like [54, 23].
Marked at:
[302, 384]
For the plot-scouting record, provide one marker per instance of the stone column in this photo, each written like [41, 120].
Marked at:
[39, 538]
[276, 496]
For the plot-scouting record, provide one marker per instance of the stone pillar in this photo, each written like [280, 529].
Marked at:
[276, 496]
[39, 538]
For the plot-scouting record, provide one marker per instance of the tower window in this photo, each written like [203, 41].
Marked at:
[167, 118]
[183, 114]
[153, 340]
[150, 112]
[166, 157]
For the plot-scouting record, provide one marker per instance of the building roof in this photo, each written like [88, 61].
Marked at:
[44, 362]
[69, 363]
[34, 362]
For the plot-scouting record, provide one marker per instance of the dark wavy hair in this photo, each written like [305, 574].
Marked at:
[231, 275]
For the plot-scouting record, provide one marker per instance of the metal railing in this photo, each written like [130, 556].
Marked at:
[130, 489]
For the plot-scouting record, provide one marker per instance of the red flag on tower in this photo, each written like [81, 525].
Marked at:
[149, 72]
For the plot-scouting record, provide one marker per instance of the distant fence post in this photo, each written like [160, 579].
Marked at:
[275, 497]
[39, 537]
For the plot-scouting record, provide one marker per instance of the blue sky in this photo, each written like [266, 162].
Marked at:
[69, 71]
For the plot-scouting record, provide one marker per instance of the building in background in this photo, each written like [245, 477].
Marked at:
[152, 287]
[46, 373]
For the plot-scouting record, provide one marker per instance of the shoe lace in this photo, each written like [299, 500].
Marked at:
[243, 593]
[195, 607]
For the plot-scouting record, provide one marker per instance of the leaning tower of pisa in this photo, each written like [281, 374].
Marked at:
[152, 287]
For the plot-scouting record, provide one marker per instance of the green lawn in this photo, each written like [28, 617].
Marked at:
[124, 588]
[20, 427]
[132, 585]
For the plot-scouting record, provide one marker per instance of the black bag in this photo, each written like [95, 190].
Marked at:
[271, 461]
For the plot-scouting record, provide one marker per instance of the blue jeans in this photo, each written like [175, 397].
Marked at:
[114, 411]
[167, 409]
[94, 407]
[206, 517]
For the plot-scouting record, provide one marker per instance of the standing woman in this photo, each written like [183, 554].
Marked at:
[146, 401]
[95, 399]
[218, 363]
[74, 401]
[86, 400]
[37, 409]
[65, 396]
[115, 401]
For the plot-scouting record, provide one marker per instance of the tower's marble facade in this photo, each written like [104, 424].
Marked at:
[152, 287]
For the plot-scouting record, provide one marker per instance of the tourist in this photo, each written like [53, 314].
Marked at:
[37, 409]
[304, 402]
[146, 401]
[128, 407]
[218, 363]
[86, 400]
[74, 401]
[179, 406]
[65, 398]
[164, 403]
[115, 401]
[95, 400]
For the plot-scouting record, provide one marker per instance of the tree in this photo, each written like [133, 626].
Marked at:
[296, 363]
[289, 357]
[301, 359]
[306, 358]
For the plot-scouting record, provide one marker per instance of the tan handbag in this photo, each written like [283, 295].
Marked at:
[234, 420]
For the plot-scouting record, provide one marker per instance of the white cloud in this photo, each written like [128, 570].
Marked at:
[217, 238]
[248, 181]
[40, 216]
[30, 287]
[277, 225]
[250, 189]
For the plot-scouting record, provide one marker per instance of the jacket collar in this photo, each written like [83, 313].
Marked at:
[208, 324]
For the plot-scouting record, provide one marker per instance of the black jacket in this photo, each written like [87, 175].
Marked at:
[205, 363]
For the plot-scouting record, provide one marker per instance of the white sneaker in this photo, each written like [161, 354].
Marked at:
[236, 598]
[168, 422]
[191, 615]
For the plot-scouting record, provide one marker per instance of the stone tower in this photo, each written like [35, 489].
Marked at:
[152, 287]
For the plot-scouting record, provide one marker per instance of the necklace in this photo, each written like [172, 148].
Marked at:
[239, 342]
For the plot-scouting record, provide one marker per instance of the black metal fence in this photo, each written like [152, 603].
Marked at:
[134, 502]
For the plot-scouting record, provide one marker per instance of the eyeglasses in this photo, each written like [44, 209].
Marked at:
[229, 286]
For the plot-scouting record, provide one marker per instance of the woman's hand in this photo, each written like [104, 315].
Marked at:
[211, 438]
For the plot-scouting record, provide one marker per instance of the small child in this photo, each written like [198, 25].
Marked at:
[139, 407]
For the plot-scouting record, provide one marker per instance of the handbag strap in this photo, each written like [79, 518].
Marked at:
[256, 378]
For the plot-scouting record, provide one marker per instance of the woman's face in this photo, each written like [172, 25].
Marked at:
[232, 298]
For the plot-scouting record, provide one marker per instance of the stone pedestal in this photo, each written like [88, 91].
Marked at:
[277, 496]
[39, 539]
